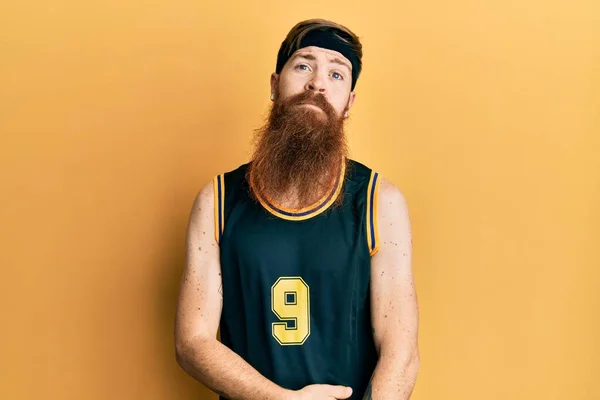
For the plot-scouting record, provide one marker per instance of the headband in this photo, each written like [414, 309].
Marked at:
[327, 40]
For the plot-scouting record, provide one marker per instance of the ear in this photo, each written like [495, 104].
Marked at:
[350, 103]
[274, 82]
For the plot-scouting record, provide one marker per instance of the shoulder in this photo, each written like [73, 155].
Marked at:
[390, 195]
[203, 201]
[210, 202]
[387, 190]
[394, 220]
[211, 192]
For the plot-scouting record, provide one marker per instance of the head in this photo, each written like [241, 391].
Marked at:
[322, 57]
[302, 144]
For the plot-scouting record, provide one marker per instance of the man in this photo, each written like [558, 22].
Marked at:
[302, 257]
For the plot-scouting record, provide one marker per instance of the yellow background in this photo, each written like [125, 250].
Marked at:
[114, 113]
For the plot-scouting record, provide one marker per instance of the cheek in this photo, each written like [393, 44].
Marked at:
[339, 103]
[289, 87]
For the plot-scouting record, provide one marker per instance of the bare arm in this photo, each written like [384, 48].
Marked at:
[199, 307]
[394, 301]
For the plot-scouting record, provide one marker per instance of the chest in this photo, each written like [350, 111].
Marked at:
[328, 245]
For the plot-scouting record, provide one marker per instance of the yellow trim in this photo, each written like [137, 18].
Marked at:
[275, 212]
[216, 206]
[368, 224]
[222, 177]
[315, 204]
[216, 180]
[375, 216]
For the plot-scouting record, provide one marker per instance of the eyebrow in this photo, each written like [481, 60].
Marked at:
[335, 60]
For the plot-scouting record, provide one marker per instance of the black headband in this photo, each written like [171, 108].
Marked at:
[327, 40]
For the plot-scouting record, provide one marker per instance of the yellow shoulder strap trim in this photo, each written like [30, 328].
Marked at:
[372, 217]
[219, 194]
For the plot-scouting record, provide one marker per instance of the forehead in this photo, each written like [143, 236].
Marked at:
[321, 52]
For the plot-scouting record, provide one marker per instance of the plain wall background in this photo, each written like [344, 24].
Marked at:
[114, 113]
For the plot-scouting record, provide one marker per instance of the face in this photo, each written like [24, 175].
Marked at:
[317, 70]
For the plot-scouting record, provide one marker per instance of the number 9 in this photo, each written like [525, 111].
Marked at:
[290, 302]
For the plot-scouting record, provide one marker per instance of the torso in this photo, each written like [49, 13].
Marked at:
[296, 303]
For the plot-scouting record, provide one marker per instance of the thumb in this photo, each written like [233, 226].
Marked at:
[341, 392]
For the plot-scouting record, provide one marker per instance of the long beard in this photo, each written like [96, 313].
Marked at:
[299, 151]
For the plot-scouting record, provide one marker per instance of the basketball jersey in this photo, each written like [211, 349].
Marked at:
[296, 301]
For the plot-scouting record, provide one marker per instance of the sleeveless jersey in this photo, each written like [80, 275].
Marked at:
[296, 301]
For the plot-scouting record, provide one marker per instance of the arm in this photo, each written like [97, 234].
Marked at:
[394, 301]
[199, 306]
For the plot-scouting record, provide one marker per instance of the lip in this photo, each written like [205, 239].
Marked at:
[312, 105]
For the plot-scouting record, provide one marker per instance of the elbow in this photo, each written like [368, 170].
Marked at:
[407, 360]
[186, 350]
[416, 361]
[413, 358]
[413, 364]
[182, 352]
[191, 352]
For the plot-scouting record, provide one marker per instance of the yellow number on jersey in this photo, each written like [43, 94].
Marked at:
[290, 302]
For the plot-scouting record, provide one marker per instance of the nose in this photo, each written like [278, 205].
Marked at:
[316, 84]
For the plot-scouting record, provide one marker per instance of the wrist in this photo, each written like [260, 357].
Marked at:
[285, 394]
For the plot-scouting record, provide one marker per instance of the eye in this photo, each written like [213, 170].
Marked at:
[303, 67]
[337, 75]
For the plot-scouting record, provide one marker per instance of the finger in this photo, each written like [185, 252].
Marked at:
[340, 392]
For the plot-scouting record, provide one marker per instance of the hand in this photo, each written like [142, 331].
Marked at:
[322, 392]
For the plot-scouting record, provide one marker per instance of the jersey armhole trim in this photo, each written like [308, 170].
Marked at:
[372, 221]
[219, 192]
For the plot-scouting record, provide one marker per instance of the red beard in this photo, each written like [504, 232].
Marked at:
[299, 151]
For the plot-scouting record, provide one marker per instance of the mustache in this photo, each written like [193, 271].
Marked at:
[310, 97]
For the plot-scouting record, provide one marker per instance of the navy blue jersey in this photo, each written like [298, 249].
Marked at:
[296, 301]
